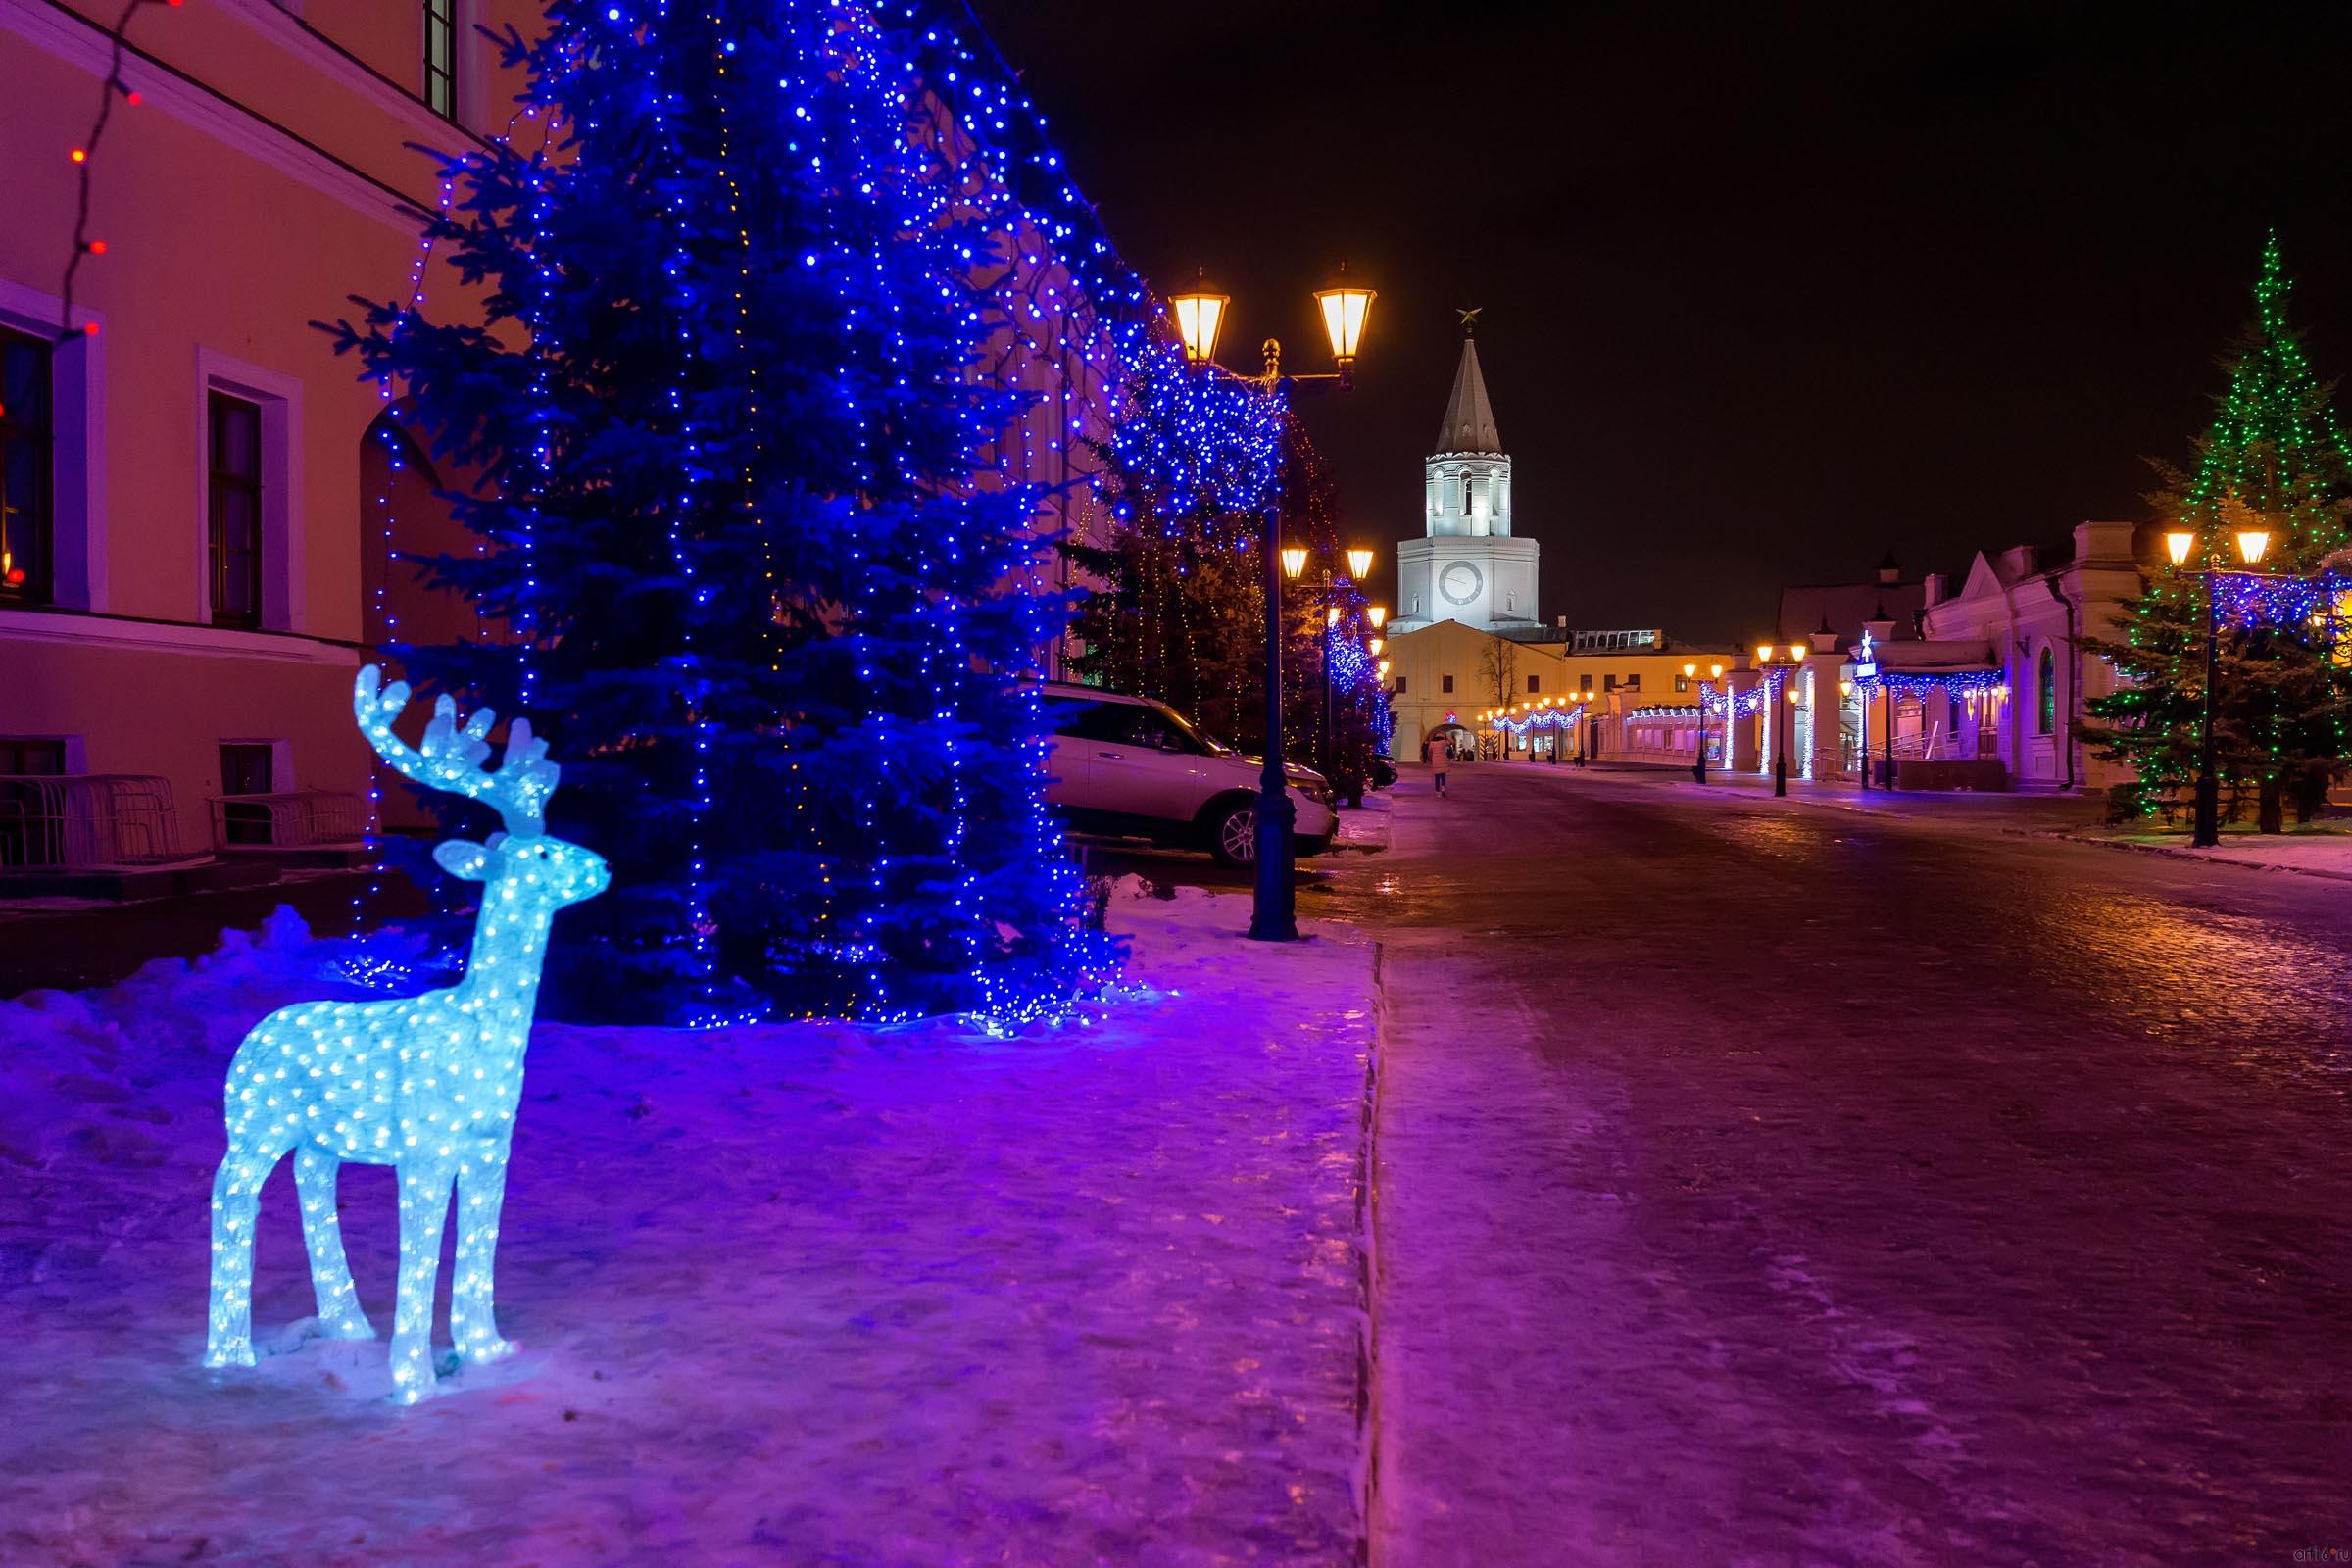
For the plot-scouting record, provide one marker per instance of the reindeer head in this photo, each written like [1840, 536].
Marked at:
[522, 859]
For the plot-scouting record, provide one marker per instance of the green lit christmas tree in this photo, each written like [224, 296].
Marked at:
[2275, 461]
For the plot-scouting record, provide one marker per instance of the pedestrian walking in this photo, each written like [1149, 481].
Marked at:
[1440, 752]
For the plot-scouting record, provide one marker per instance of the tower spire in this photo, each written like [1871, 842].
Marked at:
[1469, 416]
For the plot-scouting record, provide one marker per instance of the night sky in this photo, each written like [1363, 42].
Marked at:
[1765, 294]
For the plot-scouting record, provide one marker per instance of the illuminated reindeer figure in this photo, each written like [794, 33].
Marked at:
[428, 1085]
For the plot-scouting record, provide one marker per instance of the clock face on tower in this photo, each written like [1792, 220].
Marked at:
[1460, 582]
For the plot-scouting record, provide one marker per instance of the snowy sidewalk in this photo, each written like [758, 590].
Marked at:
[796, 1295]
[2319, 851]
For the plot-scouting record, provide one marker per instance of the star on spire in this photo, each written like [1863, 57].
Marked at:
[1469, 320]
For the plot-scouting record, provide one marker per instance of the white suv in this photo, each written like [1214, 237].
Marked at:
[1133, 768]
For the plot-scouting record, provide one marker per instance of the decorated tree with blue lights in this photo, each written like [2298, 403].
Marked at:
[2275, 461]
[725, 391]
[1189, 468]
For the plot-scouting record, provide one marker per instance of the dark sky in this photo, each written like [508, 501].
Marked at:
[1768, 289]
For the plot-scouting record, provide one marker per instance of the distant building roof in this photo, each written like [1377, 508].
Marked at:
[1844, 606]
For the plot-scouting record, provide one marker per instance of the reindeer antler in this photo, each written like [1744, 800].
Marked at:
[453, 757]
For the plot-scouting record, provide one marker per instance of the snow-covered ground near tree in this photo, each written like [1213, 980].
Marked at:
[2314, 851]
[796, 1295]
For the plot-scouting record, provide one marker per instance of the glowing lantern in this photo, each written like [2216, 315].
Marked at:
[1293, 562]
[1346, 309]
[1360, 565]
[428, 1085]
[2177, 546]
[2251, 544]
[1199, 317]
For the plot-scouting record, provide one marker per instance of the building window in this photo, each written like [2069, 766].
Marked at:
[1631, 683]
[441, 58]
[25, 456]
[2046, 695]
[1682, 683]
[245, 769]
[1401, 685]
[1445, 684]
[32, 758]
[1535, 683]
[233, 522]
[1467, 494]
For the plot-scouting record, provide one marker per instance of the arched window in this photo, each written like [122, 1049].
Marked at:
[1467, 493]
[2046, 694]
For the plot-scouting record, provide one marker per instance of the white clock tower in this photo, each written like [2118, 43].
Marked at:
[1467, 567]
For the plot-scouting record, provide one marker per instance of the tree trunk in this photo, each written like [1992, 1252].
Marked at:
[2270, 807]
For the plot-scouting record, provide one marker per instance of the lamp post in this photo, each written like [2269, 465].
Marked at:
[1698, 763]
[1767, 659]
[2251, 543]
[1199, 318]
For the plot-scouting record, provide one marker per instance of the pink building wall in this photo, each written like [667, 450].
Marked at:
[260, 182]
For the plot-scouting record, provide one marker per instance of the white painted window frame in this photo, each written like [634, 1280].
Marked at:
[78, 444]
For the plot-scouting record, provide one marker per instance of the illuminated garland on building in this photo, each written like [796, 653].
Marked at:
[1951, 682]
[1541, 718]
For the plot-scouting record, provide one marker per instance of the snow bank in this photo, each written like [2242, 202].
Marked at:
[794, 1295]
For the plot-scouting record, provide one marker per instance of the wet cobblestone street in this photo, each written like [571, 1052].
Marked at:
[1768, 1183]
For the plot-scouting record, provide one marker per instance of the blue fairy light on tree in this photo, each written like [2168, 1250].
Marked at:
[739, 526]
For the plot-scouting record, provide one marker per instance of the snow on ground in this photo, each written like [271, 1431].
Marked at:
[806, 1295]
[2314, 851]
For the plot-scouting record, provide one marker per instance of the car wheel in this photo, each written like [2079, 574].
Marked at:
[1233, 834]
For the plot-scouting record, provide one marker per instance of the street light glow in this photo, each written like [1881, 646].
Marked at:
[1360, 564]
[1346, 309]
[2251, 544]
[2178, 544]
[1200, 314]
[1293, 561]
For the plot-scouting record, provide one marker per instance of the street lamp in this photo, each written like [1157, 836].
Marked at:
[2251, 544]
[1698, 764]
[1346, 309]
[1199, 317]
[1767, 658]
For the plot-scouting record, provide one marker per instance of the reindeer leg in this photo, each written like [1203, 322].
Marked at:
[481, 1195]
[236, 1202]
[423, 1205]
[323, 1233]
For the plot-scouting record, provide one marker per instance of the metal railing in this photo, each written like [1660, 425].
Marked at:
[86, 822]
[288, 819]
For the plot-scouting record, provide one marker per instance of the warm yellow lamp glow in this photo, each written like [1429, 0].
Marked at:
[1846, 688]
[1794, 695]
[1331, 617]
[1293, 561]
[1763, 653]
[1346, 309]
[1377, 615]
[1200, 314]
[1373, 645]
[1714, 671]
[2251, 544]
[2179, 545]
[1360, 565]
[1383, 668]
[1690, 671]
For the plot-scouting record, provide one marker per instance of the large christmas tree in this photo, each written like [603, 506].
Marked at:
[724, 393]
[2275, 461]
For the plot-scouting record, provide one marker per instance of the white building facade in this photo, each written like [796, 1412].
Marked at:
[1467, 565]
